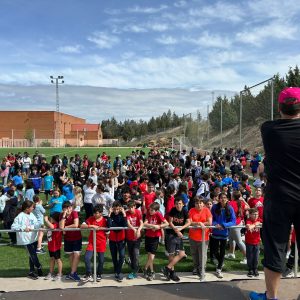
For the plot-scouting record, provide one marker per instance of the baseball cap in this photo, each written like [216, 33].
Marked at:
[289, 95]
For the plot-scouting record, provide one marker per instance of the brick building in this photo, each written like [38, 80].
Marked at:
[46, 128]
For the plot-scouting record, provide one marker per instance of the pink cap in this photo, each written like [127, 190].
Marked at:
[289, 95]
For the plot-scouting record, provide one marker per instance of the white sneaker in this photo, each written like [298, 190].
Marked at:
[230, 256]
[219, 273]
[49, 276]
[244, 261]
[288, 273]
[57, 278]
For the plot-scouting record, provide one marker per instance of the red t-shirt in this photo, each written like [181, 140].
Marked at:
[234, 205]
[143, 187]
[149, 198]
[156, 219]
[71, 235]
[259, 204]
[252, 238]
[293, 238]
[169, 205]
[54, 239]
[135, 220]
[100, 235]
[199, 216]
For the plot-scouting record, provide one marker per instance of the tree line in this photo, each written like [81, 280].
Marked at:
[129, 129]
[253, 106]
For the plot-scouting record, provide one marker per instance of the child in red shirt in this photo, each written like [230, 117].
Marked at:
[149, 198]
[257, 202]
[54, 246]
[154, 222]
[133, 237]
[252, 240]
[96, 221]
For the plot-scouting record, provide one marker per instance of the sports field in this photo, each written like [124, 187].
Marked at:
[92, 152]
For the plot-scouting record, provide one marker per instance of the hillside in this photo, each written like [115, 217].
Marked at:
[251, 138]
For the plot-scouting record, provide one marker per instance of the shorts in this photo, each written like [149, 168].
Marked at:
[174, 244]
[55, 254]
[277, 221]
[48, 192]
[73, 246]
[151, 244]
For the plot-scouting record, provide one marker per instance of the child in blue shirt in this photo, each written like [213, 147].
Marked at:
[48, 184]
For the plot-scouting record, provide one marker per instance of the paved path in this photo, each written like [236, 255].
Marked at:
[189, 288]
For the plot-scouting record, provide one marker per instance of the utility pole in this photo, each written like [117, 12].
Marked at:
[57, 81]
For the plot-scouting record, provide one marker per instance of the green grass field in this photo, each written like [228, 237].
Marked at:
[91, 152]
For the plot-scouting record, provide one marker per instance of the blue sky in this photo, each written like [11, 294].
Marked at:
[135, 59]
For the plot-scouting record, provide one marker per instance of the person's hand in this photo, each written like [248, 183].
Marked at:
[46, 218]
[218, 226]
[27, 229]
[179, 234]
[138, 234]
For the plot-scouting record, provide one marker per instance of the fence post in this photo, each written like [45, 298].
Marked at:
[95, 254]
[202, 275]
[12, 137]
[296, 260]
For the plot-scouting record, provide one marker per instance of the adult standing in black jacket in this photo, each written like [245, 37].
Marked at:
[281, 139]
[9, 214]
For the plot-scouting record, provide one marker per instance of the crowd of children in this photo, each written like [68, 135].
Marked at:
[155, 197]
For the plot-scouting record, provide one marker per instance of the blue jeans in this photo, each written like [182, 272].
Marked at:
[115, 249]
[33, 258]
[87, 259]
[134, 253]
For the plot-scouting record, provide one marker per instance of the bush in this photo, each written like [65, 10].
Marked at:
[45, 143]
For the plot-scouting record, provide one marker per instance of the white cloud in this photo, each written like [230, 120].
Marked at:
[134, 28]
[103, 40]
[158, 26]
[209, 40]
[70, 49]
[167, 40]
[147, 10]
[277, 30]
[219, 11]
[180, 3]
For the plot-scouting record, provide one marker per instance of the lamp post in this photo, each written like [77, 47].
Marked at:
[57, 81]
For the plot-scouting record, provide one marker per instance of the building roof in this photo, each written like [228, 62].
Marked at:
[85, 127]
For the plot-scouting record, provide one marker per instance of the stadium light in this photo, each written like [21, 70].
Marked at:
[57, 81]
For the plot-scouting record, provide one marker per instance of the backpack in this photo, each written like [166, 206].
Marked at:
[206, 192]
[3, 167]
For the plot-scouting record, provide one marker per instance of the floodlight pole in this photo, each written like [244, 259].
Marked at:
[57, 80]
[241, 102]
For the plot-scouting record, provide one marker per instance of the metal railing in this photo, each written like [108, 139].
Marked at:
[202, 278]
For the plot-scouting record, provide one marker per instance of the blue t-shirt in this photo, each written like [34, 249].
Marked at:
[17, 179]
[68, 191]
[58, 202]
[29, 194]
[227, 180]
[48, 182]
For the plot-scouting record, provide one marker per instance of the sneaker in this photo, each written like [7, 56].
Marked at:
[57, 278]
[256, 274]
[151, 276]
[40, 251]
[119, 277]
[287, 273]
[166, 271]
[230, 256]
[87, 278]
[195, 271]
[132, 275]
[49, 276]
[145, 273]
[244, 261]
[74, 276]
[257, 296]
[250, 274]
[68, 277]
[32, 275]
[98, 278]
[174, 276]
[219, 273]
[40, 272]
